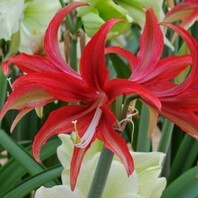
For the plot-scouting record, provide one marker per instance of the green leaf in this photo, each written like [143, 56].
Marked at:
[121, 68]
[143, 142]
[48, 150]
[186, 155]
[20, 154]
[9, 180]
[165, 139]
[34, 182]
[184, 186]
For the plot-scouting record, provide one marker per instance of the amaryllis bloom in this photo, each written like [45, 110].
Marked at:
[88, 95]
[179, 101]
[186, 12]
[143, 183]
[10, 16]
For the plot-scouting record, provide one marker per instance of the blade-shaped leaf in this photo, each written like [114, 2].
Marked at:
[185, 186]
[34, 182]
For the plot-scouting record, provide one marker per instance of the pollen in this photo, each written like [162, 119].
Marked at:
[75, 138]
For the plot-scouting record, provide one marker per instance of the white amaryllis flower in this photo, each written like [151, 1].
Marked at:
[11, 12]
[143, 183]
[30, 17]
[36, 17]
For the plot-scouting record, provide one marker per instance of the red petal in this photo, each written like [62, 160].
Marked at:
[26, 96]
[117, 87]
[19, 117]
[30, 63]
[113, 141]
[181, 11]
[186, 101]
[61, 86]
[186, 120]
[76, 162]
[60, 121]
[189, 20]
[168, 68]
[92, 65]
[129, 56]
[193, 47]
[151, 46]
[51, 40]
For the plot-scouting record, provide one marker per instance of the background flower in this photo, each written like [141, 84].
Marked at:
[36, 17]
[143, 183]
[31, 18]
[11, 12]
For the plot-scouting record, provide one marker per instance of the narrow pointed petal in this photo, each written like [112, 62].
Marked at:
[187, 12]
[193, 47]
[19, 117]
[30, 63]
[151, 46]
[129, 56]
[26, 96]
[117, 87]
[61, 121]
[76, 162]
[93, 59]
[186, 120]
[113, 141]
[187, 101]
[168, 68]
[51, 38]
[153, 117]
[60, 85]
[165, 69]
[190, 20]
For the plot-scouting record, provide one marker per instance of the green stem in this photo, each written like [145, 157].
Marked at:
[126, 105]
[143, 142]
[3, 88]
[106, 156]
[101, 174]
[73, 54]
[62, 3]
[185, 149]
[165, 140]
[117, 107]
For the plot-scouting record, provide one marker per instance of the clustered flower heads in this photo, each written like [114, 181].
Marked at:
[90, 93]
[143, 183]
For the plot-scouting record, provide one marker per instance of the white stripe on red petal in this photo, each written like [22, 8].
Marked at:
[89, 133]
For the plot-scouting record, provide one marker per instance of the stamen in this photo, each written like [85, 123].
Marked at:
[132, 112]
[75, 138]
[9, 82]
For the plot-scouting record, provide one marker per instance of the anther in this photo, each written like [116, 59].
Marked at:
[75, 138]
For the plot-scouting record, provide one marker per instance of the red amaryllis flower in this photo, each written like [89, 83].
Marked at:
[91, 92]
[186, 12]
[179, 102]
